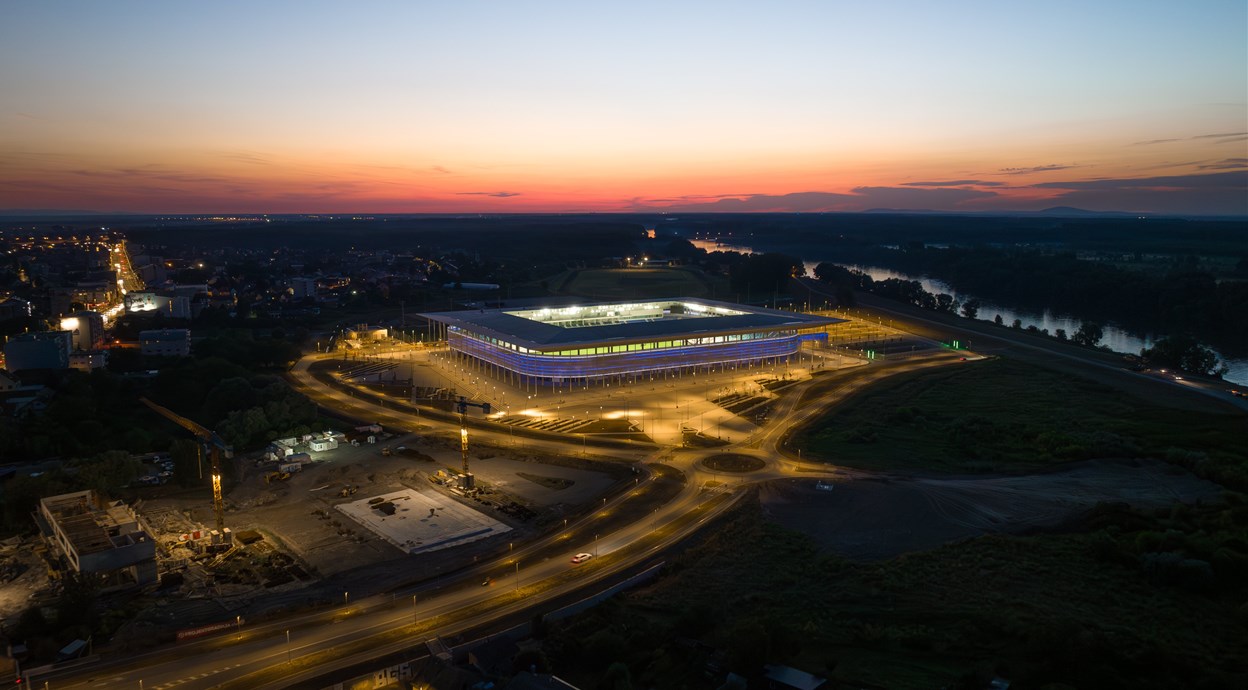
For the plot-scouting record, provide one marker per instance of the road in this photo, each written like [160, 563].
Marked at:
[264, 656]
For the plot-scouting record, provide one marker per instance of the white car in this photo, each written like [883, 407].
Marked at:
[582, 557]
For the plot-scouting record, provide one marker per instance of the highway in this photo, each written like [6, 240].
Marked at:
[295, 650]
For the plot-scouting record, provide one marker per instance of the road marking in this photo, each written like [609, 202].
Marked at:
[180, 681]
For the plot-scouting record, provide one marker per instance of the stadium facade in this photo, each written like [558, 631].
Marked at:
[590, 343]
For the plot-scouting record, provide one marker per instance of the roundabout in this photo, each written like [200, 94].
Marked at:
[733, 462]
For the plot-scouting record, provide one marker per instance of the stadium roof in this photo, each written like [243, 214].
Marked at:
[504, 325]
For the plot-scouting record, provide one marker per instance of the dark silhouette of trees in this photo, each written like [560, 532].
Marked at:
[841, 280]
[1184, 353]
[1185, 299]
[1089, 334]
[755, 275]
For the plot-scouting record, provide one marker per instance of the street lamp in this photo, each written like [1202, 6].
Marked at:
[238, 627]
[413, 609]
[288, 646]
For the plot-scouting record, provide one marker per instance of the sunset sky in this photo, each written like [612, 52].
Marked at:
[391, 107]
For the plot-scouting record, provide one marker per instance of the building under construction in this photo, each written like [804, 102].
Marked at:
[105, 538]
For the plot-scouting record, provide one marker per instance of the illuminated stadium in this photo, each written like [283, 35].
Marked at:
[624, 340]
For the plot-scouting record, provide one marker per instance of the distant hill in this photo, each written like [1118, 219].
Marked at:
[1056, 212]
[53, 212]
[1072, 212]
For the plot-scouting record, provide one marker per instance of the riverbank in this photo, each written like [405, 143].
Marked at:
[990, 339]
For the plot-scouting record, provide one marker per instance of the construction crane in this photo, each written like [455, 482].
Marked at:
[462, 406]
[215, 448]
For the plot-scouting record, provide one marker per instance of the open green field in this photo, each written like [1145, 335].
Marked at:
[1113, 597]
[1003, 415]
[1080, 609]
[636, 283]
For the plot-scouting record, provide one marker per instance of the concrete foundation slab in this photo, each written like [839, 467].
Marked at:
[418, 522]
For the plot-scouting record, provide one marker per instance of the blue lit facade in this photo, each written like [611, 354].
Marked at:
[647, 357]
[625, 340]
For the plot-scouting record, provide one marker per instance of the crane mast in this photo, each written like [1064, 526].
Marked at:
[462, 406]
[207, 438]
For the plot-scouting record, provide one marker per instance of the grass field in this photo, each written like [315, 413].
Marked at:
[1073, 609]
[637, 283]
[1115, 597]
[1002, 415]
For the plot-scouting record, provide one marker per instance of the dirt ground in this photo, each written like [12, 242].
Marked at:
[23, 573]
[297, 517]
[286, 510]
[869, 519]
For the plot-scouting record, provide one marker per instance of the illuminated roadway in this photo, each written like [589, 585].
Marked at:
[256, 655]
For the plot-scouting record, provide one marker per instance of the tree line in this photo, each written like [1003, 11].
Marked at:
[1183, 300]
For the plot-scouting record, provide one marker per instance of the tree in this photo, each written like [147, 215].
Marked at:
[228, 395]
[1060, 333]
[749, 646]
[682, 249]
[185, 454]
[970, 308]
[78, 595]
[1184, 353]
[617, 677]
[1089, 334]
[764, 274]
[109, 471]
[604, 647]
[841, 279]
[998, 320]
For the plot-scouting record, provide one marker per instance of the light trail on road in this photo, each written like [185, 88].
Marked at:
[320, 642]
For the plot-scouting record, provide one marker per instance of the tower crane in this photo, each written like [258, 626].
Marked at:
[215, 447]
[462, 406]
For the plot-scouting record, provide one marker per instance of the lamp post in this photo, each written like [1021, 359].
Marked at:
[414, 609]
[288, 646]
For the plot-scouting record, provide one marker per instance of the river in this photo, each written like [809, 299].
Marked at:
[1115, 338]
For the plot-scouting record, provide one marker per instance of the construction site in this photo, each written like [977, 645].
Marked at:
[305, 520]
